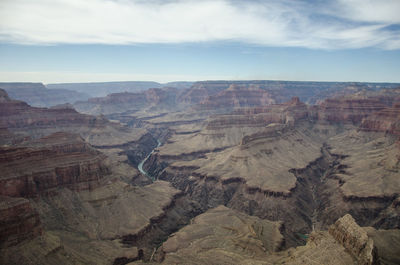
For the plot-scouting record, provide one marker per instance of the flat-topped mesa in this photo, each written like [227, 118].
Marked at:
[112, 103]
[355, 240]
[129, 101]
[59, 160]
[236, 96]
[348, 110]
[286, 113]
[386, 120]
[18, 221]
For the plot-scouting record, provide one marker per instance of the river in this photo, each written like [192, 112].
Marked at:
[140, 166]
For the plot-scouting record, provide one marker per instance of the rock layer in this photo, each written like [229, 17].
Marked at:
[236, 96]
[343, 110]
[59, 160]
[18, 221]
[386, 120]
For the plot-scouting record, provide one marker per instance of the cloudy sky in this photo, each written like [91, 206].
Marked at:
[108, 40]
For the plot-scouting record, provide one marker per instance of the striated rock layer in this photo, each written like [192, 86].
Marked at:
[236, 96]
[386, 120]
[18, 221]
[348, 110]
[59, 160]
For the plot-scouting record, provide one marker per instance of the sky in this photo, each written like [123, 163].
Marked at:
[54, 41]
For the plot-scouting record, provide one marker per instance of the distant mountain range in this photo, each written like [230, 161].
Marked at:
[40, 95]
[101, 89]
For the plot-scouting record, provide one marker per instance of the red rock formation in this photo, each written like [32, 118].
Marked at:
[235, 97]
[128, 101]
[288, 112]
[348, 110]
[18, 221]
[386, 120]
[200, 91]
[59, 160]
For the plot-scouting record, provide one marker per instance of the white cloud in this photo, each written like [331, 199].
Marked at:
[384, 11]
[270, 22]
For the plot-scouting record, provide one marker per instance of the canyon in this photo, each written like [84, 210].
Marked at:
[210, 172]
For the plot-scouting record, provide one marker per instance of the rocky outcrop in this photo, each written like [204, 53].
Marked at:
[59, 160]
[355, 240]
[220, 235]
[18, 221]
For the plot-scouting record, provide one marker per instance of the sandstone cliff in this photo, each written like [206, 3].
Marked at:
[59, 160]
[355, 240]
[344, 110]
[236, 96]
[386, 120]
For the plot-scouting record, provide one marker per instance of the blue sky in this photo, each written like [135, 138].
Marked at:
[112, 40]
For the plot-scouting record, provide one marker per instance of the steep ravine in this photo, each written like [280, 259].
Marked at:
[300, 210]
[140, 165]
[176, 215]
[315, 203]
